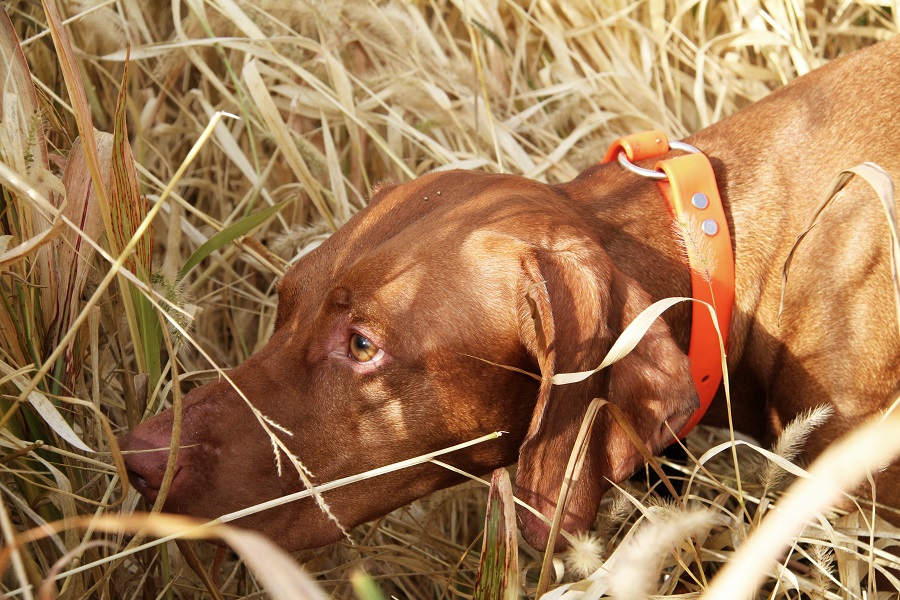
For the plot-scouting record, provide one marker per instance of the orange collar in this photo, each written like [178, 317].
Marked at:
[689, 185]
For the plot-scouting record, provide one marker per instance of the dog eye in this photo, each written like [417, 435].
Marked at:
[362, 349]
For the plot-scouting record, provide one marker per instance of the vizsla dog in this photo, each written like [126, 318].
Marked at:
[389, 336]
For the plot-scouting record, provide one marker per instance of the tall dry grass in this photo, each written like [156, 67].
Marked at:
[332, 97]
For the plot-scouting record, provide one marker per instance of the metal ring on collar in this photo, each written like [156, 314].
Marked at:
[650, 173]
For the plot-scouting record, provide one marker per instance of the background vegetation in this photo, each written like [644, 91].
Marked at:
[331, 97]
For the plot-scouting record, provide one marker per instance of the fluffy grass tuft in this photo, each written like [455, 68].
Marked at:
[584, 556]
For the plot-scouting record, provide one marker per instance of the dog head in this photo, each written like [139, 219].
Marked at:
[386, 346]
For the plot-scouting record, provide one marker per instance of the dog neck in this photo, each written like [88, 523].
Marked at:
[688, 183]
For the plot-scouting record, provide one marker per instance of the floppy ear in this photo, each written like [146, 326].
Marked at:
[575, 305]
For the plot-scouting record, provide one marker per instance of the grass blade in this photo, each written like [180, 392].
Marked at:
[44, 407]
[80, 106]
[365, 587]
[73, 255]
[498, 570]
[228, 235]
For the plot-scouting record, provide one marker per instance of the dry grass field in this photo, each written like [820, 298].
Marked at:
[233, 137]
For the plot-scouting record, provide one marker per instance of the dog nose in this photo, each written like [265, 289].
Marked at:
[145, 459]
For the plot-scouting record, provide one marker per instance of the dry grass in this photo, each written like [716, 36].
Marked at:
[333, 97]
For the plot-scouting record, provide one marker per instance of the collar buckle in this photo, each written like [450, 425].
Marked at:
[622, 157]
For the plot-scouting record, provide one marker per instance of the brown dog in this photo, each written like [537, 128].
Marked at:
[375, 353]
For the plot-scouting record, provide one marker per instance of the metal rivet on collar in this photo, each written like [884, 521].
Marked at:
[699, 200]
[709, 227]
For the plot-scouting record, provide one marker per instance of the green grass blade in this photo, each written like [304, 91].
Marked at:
[228, 235]
[365, 587]
[498, 571]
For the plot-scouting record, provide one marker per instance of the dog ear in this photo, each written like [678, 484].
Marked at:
[574, 307]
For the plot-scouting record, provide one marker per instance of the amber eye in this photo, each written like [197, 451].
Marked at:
[362, 349]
